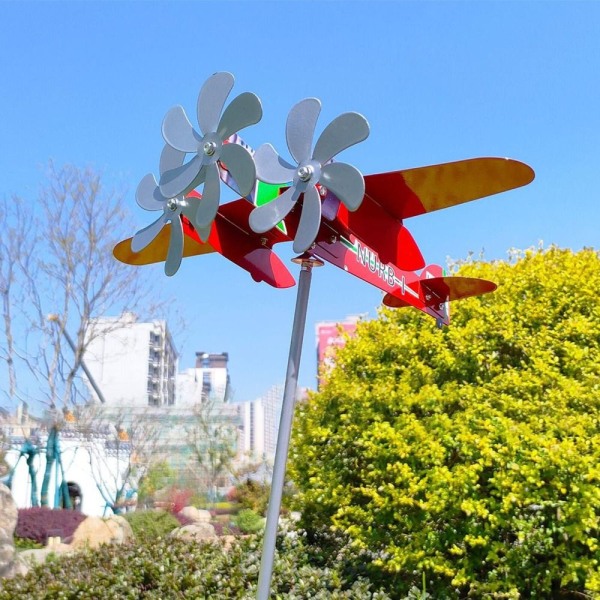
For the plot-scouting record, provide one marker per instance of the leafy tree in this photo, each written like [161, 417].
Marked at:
[158, 476]
[470, 455]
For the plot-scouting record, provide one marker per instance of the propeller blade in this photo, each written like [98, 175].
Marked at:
[170, 159]
[182, 179]
[244, 110]
[265, 217]
[209, 205]
[145, 236]
[310, 220]
[211, 100]
[344, 131]
[270, 167]
[175, 252]
[300, 128]
[148, 195]
[346, 182]
[241, 166]
[178, 132]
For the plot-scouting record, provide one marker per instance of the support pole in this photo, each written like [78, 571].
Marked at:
[307, 262]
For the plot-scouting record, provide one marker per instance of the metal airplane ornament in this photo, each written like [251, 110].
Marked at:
[327, 209]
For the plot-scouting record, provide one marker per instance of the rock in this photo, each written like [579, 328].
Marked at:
[94, 532]
[8, 523]
[195, 515]
[196, 532]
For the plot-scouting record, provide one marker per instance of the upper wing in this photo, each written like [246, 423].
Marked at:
[412, 192]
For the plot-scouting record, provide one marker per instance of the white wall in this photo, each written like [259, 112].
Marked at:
[76, 462]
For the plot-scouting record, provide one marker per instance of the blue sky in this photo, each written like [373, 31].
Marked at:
[90, 82]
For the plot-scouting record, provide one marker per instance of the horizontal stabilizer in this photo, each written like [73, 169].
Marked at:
[435, 293]
[444, 289]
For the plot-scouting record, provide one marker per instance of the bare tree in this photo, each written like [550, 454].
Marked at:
[121, 447]
[17, 245]
[57, 259]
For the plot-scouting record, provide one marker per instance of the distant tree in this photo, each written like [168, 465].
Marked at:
[158, 476]
[56, 258]
[212, 440]
[468, 455]
[17, 245]
[121, 447]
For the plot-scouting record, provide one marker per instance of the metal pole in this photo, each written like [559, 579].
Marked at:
[285, 426]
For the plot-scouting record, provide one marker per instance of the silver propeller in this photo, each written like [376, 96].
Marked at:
[210, 147]
[344, 180]
[149, 196]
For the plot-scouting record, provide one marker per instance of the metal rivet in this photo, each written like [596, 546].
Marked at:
[210, 148]
[305, 173]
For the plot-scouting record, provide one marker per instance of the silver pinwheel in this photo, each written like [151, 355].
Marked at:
[149, 196]
[210, 146]
[312, 169]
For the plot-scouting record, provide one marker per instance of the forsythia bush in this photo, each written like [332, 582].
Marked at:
[468, 455]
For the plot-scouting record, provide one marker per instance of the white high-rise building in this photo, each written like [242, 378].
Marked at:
[260, 419]
[209, 379]
[134, 363]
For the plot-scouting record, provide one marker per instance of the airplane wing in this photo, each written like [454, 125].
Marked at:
[413, 192]
[156, 251]
[231, 236]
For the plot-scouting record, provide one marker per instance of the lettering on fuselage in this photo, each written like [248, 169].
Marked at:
[366, 257]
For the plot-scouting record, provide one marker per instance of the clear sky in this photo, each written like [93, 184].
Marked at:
[90, 82]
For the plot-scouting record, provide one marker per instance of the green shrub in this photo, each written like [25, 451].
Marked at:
[253, 495]
[248, 521]
[471, 453]
[169, 569]
[147, 525]
[26, 544]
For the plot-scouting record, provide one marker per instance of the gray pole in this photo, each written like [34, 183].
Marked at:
[285, 426]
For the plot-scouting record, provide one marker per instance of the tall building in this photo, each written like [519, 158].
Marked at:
[208, 379]
[260, 419]
[134, 363]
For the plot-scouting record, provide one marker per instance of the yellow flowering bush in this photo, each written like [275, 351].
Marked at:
[471, 454]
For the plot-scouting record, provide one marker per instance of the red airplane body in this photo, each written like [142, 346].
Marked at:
[371, 243]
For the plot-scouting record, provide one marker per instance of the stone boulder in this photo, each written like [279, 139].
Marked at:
[8, 523]
[195, 515]
[196, 532]
[94, 532]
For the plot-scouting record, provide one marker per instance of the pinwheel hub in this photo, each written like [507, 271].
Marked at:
[209, 148]
[305, 173]
[172, 204]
